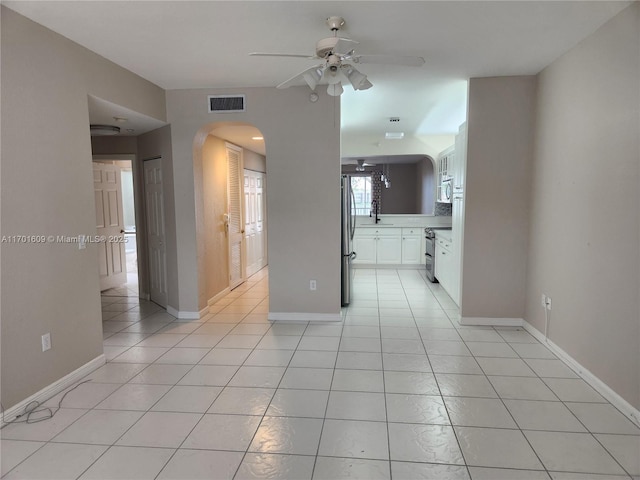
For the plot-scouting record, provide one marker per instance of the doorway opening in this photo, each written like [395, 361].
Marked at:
[230, 164]
[116, 225]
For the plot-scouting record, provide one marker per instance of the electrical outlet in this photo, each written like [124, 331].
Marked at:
[46, 342]
[312, 285]
[548, 303]
[543, 302]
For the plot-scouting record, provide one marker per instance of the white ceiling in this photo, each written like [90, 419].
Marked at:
[197, 44]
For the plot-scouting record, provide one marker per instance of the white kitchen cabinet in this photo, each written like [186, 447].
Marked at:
[365, 248]
[389, 250]
[447, 265]
[412, 246]
[378, 246]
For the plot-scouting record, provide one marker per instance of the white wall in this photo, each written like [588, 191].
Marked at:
[500, 133]
[47, 189]
[584, 235]
[303, 192]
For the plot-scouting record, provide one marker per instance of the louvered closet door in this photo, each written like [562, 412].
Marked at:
[235, 225]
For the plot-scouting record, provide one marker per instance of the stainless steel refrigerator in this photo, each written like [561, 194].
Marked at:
[348, 229]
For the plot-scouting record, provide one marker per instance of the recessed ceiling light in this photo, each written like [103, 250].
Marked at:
[257, 138]
[120, 119]
[394, 135]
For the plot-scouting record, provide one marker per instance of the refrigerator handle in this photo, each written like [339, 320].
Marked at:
[352, 213]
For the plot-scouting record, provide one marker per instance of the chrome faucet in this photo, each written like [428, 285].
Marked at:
[374, 204]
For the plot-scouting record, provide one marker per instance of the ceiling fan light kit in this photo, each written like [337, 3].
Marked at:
[335, 52]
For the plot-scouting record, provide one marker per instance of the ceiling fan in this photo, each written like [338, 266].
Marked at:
[335, 52]
[362, 164]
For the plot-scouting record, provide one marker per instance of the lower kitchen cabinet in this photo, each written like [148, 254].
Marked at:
[389, 246]
[447, 269]
[412, 246]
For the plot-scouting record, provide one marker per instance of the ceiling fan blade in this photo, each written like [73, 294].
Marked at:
[291, 55]
[407, 61]
[344, 46]
[310, 75]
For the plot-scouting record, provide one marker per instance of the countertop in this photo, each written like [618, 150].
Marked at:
[444, 234]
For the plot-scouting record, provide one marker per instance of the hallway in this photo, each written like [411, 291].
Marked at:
[399, 390]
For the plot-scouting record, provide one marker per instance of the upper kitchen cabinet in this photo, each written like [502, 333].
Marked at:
[460, 159]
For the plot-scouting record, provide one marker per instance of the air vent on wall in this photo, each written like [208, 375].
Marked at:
[226, 103]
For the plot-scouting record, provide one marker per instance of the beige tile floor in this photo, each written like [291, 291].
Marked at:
[397, 390]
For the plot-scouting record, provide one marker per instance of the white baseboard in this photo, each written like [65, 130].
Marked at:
[187, 315]
[492, 322]
[218, 296]
[53, 389]
[304, 317]
[602, 388]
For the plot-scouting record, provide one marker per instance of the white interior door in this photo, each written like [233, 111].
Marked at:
[154, 206]
[235, 222]
[112, 261]
[255, 235]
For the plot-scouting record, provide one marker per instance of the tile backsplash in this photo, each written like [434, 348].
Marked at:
[442, 209]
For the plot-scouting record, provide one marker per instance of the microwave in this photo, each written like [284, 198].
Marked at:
[445, 191]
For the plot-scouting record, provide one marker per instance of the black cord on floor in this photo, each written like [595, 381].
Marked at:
[34, 413]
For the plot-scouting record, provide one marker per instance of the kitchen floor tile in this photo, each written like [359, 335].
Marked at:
[225, 356]
[454, 385]
[416, 409]
[239, 341]
[603, 418]
[359, 360]
[550, 368]
[141, 355]
[298, 403]
[99, 427]
[160, 429]
[265, 377]
[429, 471]
[335, 468]
[307, 378]
[13, 452]
[483, 473]
[223, 432]
[292, 435]
[442, 347]
[116, 373]
[201, 464]
[406, 362]
[478, 412]
[42, 431]
[275, 466]
[128, 463]
[57, 460]
[355, 344]
[187, 399]
[538, 415]
[200, 341]
[513, 367]
[85, 395]
[354, 439]
[572, 452]
[491, 349]
[313, 359]
[358, 380]
[424, 443]
[625, 449]
[454, 364]
[361, 331]
[573, 390]
[183, 356]
[356, 406]
[161, 374]
[278, 342]
[522, 388]
[242, 401]
[134, 397]
[491, 447]
[410, 382]
[532, 350]
[270, 358]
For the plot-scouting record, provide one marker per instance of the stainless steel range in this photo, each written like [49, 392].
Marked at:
[430, 253]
